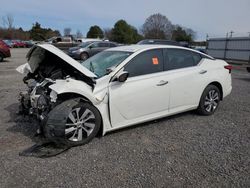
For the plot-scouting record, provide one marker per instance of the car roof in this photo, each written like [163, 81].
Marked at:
[138, 47]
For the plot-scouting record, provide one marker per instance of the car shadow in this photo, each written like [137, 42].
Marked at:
[244, 79]
[5, 61]
[22, 124]
[156, 121]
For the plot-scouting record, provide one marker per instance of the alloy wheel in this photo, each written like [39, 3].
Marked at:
[80, 124]
[211, 101]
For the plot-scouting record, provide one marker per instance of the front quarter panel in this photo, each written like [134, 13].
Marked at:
[74, 86]
[98, 97]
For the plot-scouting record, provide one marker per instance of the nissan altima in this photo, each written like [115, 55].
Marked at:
[118, 87]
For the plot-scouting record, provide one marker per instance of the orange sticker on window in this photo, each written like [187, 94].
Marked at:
[155, 61]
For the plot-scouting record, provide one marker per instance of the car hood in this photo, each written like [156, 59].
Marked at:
[33, 64]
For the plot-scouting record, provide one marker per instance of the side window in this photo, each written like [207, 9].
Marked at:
[95, 45]
[103, 45]
[147, 62]
[112, 45]
[180, 58]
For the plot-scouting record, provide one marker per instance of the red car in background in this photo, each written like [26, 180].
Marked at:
[4, 50]
[18, 44]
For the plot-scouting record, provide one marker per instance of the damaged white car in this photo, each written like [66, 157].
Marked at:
[118, 87]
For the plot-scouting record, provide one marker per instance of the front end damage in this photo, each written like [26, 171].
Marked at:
[46, 65]
[36, 100]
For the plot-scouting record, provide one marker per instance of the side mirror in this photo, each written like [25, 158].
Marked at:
[123, 76]
[90, 47]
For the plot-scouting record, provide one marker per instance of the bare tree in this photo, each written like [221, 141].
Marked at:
[107, 33]
[79, 34]
[67, 31]
[8, 21]
[191, 32]
[157, 26]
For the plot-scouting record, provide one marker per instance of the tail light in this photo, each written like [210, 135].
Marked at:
[229, 68]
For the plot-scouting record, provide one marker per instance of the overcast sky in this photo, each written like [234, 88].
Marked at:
[215, 17]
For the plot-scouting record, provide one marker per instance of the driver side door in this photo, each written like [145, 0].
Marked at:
[144, 95]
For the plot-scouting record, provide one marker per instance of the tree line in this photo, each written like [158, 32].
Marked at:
[156, 26]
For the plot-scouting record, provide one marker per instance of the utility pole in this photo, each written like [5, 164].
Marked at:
[231, 34]
[227, 35]
[207, 37]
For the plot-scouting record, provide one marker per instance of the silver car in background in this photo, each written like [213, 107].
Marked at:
[87, 49]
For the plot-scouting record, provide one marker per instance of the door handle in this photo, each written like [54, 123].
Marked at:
[203, 71]
[162, 82]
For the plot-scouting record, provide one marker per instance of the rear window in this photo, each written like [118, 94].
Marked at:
[180, 58]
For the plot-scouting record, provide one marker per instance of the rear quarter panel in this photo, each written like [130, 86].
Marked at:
[217, 73]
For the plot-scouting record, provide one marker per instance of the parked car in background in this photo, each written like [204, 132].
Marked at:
[87, 49]
[29, 43]
[9, 43]
[18, 44]
[203, 50]
[81, 40]
[4, 50]
[119, 87]
[159, 41]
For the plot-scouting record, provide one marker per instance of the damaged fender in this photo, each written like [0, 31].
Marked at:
[73, 86]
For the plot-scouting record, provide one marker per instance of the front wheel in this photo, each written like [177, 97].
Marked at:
[84, 56]
[73, 123]
[209, 101]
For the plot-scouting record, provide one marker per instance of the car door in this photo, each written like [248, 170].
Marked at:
[186, 79]
[98, 47]
[144, 95]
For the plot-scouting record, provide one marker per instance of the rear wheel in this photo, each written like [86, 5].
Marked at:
[248, 69]
[73, 122]
[84, 56]
[209, 101]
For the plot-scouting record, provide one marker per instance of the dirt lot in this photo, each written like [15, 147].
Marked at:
[185, 150]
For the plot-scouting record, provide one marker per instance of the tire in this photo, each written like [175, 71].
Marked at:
[1, 57]
[209, 101]
[84, 56]
[248, 69]
[73, 123]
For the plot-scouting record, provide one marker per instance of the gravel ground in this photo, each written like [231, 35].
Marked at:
[186, 150]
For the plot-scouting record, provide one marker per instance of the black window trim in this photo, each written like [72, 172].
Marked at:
[198, 64]
[163, 70]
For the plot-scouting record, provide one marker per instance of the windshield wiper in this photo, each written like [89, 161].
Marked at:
[91, 67]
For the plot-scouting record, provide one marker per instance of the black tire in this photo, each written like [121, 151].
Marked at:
[61, 128]
[209, 101]
[248, 69]
[84, 56]
[1, 57]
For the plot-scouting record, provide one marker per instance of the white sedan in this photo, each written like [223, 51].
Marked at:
[119, 87]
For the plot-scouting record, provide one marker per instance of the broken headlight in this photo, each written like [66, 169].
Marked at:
[42, 103]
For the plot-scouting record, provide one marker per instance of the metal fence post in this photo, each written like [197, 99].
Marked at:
[225, 50]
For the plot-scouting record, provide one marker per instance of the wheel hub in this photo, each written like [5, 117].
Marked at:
[80, 124]
[211, 101]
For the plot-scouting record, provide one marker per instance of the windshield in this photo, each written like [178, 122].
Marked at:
[101, 62]
[84, 44]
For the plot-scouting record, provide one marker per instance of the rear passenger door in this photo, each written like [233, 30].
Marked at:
[185, 78]
[100, 47]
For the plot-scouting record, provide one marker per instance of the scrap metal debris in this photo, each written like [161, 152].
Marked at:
[45, 150]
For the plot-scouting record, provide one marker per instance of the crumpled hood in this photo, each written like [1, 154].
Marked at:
[36, 54]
